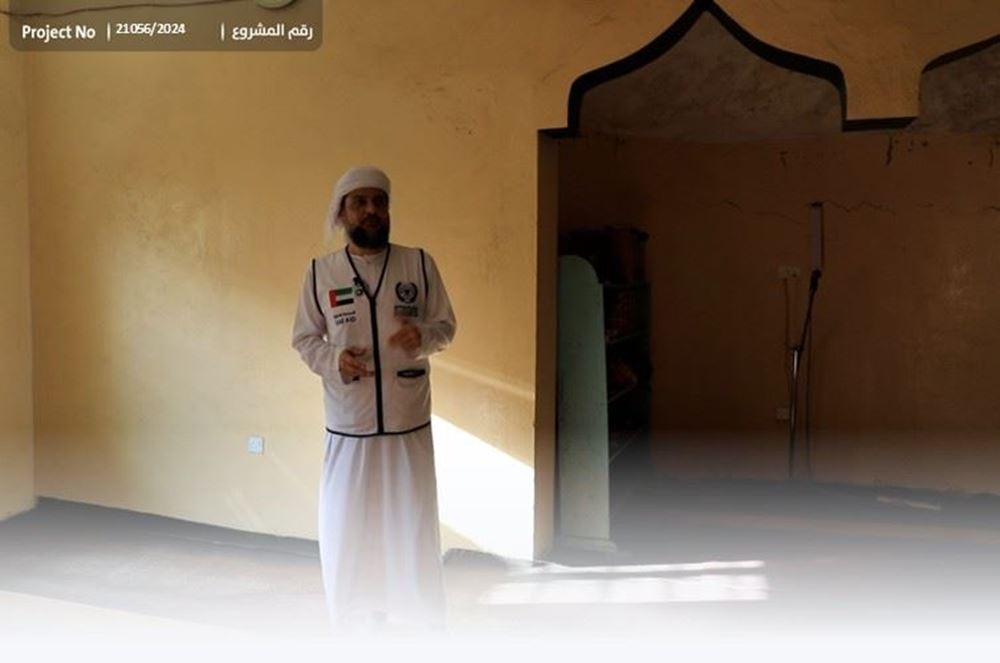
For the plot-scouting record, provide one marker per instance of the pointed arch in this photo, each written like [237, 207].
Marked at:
[671, 36]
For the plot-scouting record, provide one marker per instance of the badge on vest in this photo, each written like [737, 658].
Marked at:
[343, 297]
[406, 295]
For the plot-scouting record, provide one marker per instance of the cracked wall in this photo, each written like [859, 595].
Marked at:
[717, 154]
[906, 358]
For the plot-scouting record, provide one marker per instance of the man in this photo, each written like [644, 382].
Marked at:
[368, 317]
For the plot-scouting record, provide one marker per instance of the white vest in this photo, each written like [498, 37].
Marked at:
[398, 398]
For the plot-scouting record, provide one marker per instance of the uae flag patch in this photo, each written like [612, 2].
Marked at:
[341, 297]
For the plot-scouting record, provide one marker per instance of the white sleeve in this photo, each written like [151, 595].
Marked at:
[309, 333]
[437, 327]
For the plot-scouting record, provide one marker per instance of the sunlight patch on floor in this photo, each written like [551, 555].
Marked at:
[650, 583]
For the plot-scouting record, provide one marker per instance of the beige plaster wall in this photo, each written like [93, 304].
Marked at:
[183, 197]
[16, 434]
[906, 355]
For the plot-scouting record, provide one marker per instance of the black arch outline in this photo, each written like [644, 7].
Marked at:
[673, 34]
[959, 53]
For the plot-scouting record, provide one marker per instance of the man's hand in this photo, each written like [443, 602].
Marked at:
[353, 364]
[408, 337]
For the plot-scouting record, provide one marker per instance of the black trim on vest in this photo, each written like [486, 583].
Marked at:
[375, 341]
[423, 268]
[319, 308]
[360, 281]
[395, 432]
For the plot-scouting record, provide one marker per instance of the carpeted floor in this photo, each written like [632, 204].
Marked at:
[699, 563]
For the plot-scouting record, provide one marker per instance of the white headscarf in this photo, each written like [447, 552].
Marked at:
[359, 177]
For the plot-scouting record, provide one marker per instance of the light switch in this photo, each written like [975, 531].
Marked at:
[255, 444]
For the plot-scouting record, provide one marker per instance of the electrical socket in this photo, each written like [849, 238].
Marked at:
[788, 272]
[255, 444]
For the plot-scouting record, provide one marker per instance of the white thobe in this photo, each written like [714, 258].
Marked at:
[378, 516]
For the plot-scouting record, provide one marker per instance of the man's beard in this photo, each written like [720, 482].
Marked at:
[373, 238]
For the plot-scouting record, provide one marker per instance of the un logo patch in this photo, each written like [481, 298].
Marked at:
[406, 292]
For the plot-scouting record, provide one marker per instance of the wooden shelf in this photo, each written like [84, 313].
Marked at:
[636, 285]
[625, 338]
[622, 393]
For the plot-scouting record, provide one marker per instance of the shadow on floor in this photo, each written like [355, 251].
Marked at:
[696, 562]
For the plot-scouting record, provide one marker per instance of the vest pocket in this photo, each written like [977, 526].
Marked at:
[407, 396]
[410, 377]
